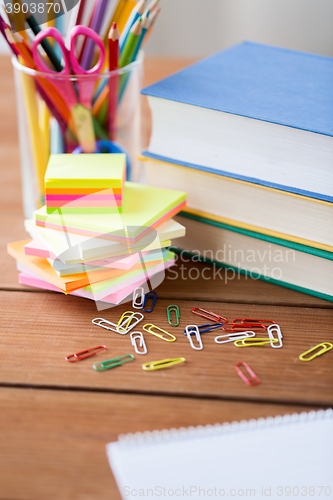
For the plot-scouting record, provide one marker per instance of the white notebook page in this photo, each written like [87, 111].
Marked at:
[290, 456]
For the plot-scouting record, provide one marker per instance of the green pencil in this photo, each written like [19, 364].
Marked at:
[32, 23]
[128, 53]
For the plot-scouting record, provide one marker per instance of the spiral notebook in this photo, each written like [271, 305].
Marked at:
[274, 457]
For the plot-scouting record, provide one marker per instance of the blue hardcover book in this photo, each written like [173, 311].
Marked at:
[252, 112]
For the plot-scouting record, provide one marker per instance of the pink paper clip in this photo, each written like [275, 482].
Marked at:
[253, 380]
[213, 317]
[87, 353]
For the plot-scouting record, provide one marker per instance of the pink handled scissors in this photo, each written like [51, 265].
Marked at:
[79, 106]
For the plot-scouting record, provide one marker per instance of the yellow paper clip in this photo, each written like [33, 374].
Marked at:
[125, 323]
[163, 363]
[129, 315]
[326, 346]
[253, 342]
[148, 328]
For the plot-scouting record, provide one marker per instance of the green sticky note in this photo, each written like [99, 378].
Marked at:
[143, 207]
[85, 170]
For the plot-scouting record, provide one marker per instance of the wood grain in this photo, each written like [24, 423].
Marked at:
[10, 199]
[39, 330]
[55, 423]
[52, 443]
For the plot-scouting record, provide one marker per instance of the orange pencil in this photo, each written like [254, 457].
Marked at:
[113, 81]
[18, 43]
[21, 46]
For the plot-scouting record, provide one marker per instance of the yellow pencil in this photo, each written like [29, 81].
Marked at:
[37, 146]
[125, 13]
[44, 124]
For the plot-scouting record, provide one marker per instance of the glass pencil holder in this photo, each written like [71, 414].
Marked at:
[48, 122]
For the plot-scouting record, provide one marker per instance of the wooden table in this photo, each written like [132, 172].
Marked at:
[56, 417]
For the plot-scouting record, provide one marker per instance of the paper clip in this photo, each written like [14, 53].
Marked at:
[271, 329]
[138, 335]
[231, 337]
[105, 324]
[212, 316]
[112, 363]
[254, 342]
[204, 328]
[148, 328]
[239, 325]
[326, 346]
[138, 298]
[149, 295]
[191, 328]
[169, 311]
[87, 353]
[163, 363]
[125, 324]
[253, 380]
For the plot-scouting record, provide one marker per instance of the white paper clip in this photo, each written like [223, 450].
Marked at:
[122, 327]
[190, 329]
[141, 343]
[138, 298]
[233, 336]
[271, 329]
[107, 324]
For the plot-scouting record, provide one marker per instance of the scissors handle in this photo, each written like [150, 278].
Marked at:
[39, 61]
[88, 33]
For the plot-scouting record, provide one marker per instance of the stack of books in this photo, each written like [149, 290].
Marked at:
[101, 256]
[248, 133]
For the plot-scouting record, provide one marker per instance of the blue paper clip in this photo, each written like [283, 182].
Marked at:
[205, 328]
[149, 295]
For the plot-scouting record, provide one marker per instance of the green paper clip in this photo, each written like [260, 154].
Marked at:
[112, 363]
[169, 311]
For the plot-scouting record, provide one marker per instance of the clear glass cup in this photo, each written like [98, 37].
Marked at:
[42, 122]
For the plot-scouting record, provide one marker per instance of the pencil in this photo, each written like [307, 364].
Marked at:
[123, 15]
[126, 56]
[4, 30]
[32, 23]
[81, 12]
[144, 24]
[18, 41]
[152, 6]
[113, 81]
[128, 53]
[38, 150]
[137, 12]
[96, 24]
[49, 93]
[152, 19]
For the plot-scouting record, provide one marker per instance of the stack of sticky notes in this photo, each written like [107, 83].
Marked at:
[96, 255]
[87, 183]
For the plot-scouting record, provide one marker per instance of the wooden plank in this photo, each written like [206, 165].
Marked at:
[52, 443]
[10, 198]
[39, 330]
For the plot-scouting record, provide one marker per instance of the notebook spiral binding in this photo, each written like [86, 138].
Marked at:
[201, 430]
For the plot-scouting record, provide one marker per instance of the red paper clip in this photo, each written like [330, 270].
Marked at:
[253, 380]
[241, 325]
[88, 352]
[213, 317]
